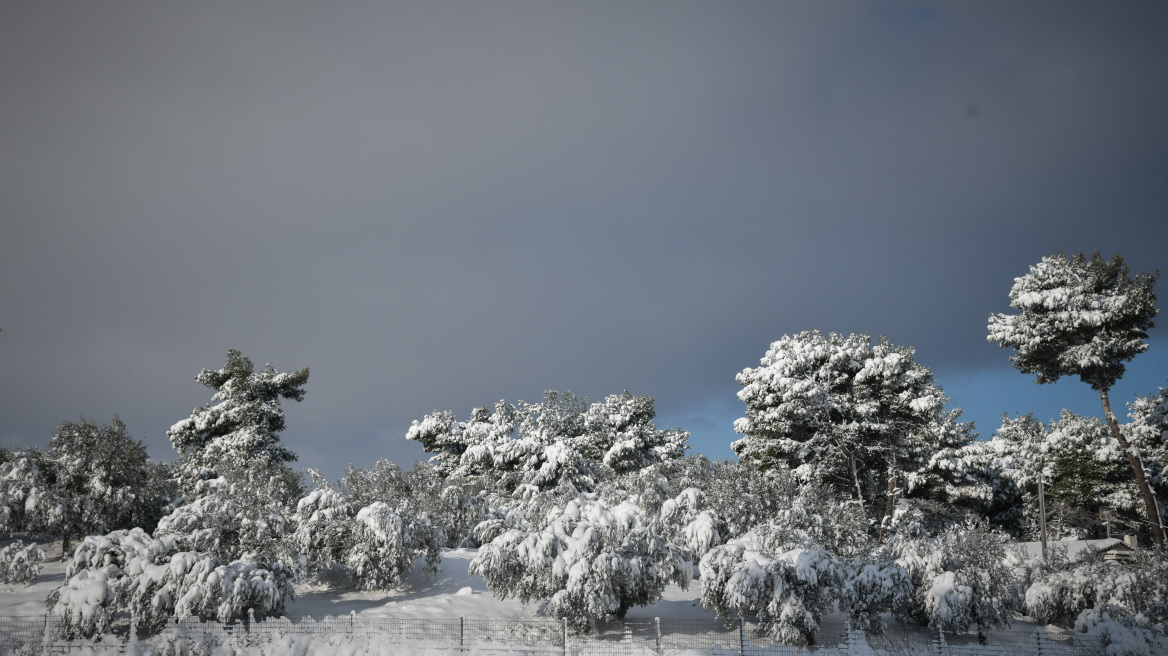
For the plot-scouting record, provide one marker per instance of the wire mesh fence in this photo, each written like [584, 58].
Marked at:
[647, 636]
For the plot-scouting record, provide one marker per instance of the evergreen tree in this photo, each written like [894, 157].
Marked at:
[1083, 317]
[845, 412]
[241, 425]
[529, 448]
[90, 480]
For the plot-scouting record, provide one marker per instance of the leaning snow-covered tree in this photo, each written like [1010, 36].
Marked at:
[242, 424]
[1087, 318]
[589, 562]
[90, 480]
[846, 412]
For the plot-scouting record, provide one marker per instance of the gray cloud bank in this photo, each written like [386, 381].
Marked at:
[437, 205]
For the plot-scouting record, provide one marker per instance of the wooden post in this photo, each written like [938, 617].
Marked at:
[657, 623]
[741, 635]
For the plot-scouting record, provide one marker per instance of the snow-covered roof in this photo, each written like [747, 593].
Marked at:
[1074, 547]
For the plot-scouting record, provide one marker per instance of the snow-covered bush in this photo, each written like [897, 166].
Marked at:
[1082, 592]
[21, 563]
[789, 574]
[962, 577]
[376, 544]
[589, 561]
[386, 544]
[454, 507]
[130, 572]
[788, 591]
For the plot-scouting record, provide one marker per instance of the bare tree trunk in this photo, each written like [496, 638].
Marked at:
[1137, 468]
[65, 547]
[855, 482]
[890, 505]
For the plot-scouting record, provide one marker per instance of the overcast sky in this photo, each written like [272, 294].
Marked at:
[437, 205]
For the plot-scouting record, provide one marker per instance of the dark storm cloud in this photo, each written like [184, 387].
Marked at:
[440, 205]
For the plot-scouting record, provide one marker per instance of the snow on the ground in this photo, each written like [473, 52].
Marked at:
[17, 599]
[453, 592]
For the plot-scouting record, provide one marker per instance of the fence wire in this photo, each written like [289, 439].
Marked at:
[647, 636]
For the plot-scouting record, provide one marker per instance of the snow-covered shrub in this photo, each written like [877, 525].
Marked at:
[21, 563]
[453, 506]
[376, 544]
[962, 578]
[1084, 591]
[128, 571]
[324, 528]
[589, 561]
[85, 605]
[813, 554]
[386, 544]
[788, 591]
[874, 587]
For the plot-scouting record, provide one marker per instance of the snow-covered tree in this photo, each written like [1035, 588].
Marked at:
[791, 571]
[700, 503]
[377, 544]
[589, 561]
[962, 577]
[843, 411]
[21, 563]
[1081, 593]
[787, 591]
[1149, 432]
[90, 480]
[222, 549]
[155, 579]
[1081, 465]
[241, 425]
[528, 448]
[1087, 318]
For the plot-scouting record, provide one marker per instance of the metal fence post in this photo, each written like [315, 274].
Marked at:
[566, 651]
[1038, 639]
[742, 635]
[47, 641]
[461, 634]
